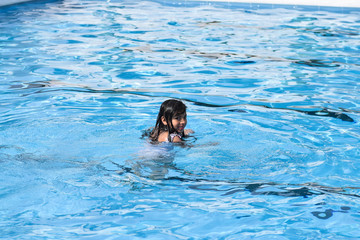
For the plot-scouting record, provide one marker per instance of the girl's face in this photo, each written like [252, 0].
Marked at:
[179, 122]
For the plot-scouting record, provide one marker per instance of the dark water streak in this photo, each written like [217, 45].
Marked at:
[285, 190]
[323, 112]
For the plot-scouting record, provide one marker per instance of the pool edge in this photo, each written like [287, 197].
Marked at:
[12, 2]
[323, 3]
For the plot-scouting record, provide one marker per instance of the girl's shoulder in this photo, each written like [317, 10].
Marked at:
[174, 137]
[163, 137]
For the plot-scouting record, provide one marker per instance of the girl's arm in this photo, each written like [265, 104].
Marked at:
[188, 132]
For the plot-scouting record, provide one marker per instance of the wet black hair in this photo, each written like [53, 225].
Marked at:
[168, 110]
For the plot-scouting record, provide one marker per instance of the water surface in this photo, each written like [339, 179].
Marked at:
[272, 95]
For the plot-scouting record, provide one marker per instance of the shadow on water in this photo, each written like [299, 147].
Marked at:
[161, 166]
[46, 86]
[246, 58]
[162, 155]
[152, 166]
[321, 113]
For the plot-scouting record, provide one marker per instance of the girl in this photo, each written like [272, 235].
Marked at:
[171, 122]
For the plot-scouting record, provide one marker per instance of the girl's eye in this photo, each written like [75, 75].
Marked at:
[180, 117]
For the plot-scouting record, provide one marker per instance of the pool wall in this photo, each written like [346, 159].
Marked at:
[9, 2]
[329, 3]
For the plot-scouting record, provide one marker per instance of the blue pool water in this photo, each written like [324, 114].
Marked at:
[272, 95]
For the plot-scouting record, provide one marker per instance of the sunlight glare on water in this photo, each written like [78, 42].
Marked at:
[272, 95]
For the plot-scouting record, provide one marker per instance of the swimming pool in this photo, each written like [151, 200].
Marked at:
[272, 95]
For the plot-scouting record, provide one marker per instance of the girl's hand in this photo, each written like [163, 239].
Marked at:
[188, 131]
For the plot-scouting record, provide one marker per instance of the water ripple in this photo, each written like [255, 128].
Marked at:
[272, 95]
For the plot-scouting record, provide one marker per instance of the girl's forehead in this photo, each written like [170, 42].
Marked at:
[180, 113]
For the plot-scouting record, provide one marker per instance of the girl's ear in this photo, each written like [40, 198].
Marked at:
[163, 120]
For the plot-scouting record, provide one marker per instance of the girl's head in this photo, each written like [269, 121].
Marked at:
[171, 118]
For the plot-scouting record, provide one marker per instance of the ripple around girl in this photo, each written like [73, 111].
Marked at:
[171, 122]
